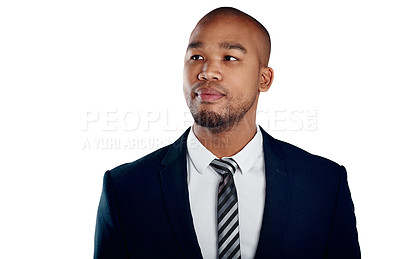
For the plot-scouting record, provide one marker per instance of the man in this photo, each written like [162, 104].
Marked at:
[227, 189]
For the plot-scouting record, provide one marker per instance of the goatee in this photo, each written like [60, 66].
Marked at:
[218, 123]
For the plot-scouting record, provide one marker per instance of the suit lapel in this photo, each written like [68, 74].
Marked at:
[278, 187]
[176, 198]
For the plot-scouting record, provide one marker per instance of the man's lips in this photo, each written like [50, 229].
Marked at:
[208, 94]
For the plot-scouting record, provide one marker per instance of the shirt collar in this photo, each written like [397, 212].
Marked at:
[245, 158]
[199, 154]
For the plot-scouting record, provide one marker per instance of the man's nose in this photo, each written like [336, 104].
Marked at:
[210, 72]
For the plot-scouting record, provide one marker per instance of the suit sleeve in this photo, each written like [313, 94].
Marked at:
[343, 238]
[109, 241]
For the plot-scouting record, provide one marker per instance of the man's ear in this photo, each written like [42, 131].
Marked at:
[267, 76]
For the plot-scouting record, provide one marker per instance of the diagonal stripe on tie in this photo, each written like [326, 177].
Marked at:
[227, 220]
[229, 214]
[226, 197]
[227, 209]
[229, 248]
[225, 183]
[231, 230]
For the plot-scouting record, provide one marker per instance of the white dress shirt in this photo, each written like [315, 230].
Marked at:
[203, 192]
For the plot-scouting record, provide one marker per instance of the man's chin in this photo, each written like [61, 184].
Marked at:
[212, 121]
[208, 119]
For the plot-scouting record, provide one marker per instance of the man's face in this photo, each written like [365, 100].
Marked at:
[222, 72]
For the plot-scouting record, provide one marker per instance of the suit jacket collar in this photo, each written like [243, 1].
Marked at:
[176, 198]
[278, 188]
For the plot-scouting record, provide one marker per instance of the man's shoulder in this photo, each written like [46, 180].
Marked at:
[296, 153]
[152, 163]
[148, 163]
[309, 168]
[299, 157]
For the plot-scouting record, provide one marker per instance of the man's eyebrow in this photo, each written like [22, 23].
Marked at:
[194, 45]
[233, 45]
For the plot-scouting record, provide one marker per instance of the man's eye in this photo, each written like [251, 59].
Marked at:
[196, 57]
[230, 58]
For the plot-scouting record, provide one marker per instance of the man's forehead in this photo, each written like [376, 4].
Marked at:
[223, 45]
[228, 22]
[223, 40]
[223, 18]
[224, 28]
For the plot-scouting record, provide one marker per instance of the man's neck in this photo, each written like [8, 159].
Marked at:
[227, 143]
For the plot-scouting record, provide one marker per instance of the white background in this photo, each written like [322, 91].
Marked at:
[77, 73]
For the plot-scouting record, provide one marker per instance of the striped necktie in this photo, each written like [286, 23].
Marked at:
[227, 211]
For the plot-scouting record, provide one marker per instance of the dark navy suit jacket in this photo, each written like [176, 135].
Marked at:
[144, 210]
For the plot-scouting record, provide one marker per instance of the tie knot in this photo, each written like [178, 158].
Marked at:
[224, 165]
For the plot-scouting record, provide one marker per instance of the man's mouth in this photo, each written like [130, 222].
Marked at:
[208, 94]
